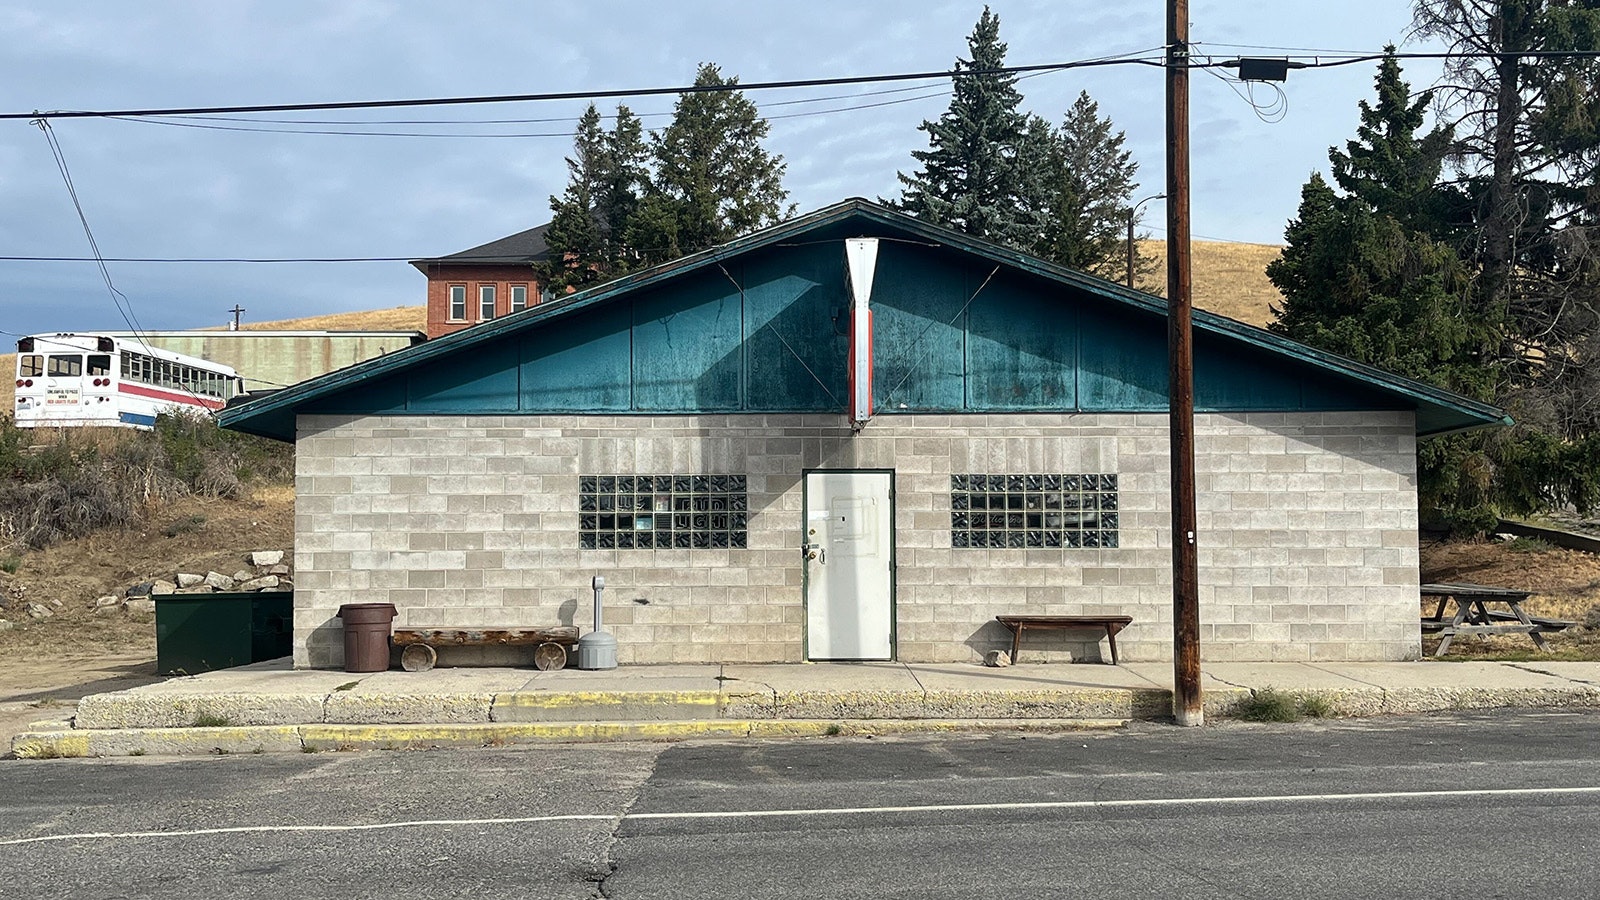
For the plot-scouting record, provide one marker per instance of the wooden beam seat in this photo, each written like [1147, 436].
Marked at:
[1018, 624]
[551, 645]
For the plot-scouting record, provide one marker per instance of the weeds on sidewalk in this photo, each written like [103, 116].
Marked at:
[1272, 705]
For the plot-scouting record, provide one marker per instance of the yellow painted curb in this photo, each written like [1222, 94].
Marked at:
[570, 699]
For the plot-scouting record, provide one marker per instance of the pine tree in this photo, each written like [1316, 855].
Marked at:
[1090, 184]
[980, 171]
[713, 179]
[1372, 273]
[577, 250]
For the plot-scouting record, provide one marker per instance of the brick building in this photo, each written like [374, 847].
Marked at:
[484, 282]
[858, 436]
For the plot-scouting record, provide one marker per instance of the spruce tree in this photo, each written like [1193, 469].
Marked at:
[713, 179]
[1090, 184]
[576, 245]
[980, 171]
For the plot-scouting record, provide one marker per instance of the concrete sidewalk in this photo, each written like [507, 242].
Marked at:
[270, 707]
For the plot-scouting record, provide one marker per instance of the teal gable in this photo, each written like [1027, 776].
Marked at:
[760, 325]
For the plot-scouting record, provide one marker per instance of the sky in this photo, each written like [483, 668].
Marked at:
[151, 190]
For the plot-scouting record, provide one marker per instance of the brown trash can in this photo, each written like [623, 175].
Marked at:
[366, 636]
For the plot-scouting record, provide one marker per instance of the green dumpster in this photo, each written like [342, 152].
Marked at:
[200, 632]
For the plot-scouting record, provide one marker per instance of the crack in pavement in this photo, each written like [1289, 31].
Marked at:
[1570, 680]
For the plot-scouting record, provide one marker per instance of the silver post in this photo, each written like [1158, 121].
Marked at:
[599, 586]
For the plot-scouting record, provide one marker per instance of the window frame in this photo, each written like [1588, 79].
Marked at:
[516, 304]
[487, 294]
[73, 359]
[30, 365]
[458, 302]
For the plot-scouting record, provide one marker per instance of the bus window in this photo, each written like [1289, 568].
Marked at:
[99, 365]
[30, 365]
[67, 366]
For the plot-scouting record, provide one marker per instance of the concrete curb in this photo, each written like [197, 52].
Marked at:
[120, 725]
[64, 744]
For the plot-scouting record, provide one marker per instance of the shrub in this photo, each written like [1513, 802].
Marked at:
[61, 484]
[1529, 545]
[185, 525]
[10, 564]
[1268, 705]
[211, 720]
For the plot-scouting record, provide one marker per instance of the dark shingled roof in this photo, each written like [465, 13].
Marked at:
[514, 249]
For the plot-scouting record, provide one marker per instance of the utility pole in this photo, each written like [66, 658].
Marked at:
[237, 312]
[1187, 708]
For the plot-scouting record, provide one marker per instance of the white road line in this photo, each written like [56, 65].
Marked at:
[838, 811]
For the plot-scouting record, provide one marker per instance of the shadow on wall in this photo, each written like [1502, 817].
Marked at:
[991, 635]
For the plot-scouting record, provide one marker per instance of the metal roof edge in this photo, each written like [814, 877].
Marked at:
[1417, 391]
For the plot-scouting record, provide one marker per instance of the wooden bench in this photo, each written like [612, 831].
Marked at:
[1017, 624]
[551, 645]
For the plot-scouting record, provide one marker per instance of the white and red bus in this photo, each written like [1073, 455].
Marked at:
[97, 379]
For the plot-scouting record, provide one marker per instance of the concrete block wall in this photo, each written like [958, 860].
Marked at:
[1307, 532]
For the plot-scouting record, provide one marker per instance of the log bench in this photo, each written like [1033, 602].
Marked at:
[1017, 624]
[551, 645]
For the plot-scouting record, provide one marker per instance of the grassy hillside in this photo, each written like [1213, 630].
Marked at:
[1229, 279]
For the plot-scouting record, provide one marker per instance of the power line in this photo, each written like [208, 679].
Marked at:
[1312, 61]
[583, 95]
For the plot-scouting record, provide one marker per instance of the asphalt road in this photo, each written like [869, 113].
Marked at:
[1383, 807]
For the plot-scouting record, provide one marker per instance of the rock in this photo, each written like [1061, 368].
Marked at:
[279, 569]
[140, 605]
[1503, 537]
[142, 589]
[266, 558]
[997, 659]
[188, 579]
[39, 611]
[259, 584]
[57, 604]
[106, 602]
[5, 625]
[197, 589]
[160, 588]
[108, 610]
[219, 581]
[243, 575]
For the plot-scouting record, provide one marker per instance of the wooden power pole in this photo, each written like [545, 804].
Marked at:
[1187, 708]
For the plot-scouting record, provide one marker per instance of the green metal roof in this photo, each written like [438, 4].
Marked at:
[369, 386]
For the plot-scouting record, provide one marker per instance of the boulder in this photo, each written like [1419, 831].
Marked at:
[142, 589]
[243, 575]
[189, 579]
[997, 659]
[140, 605]
[219, 581]
[279, 569]
[39, 611]
[259, 584]
[266, 558]
[160, 588]
[106, 602]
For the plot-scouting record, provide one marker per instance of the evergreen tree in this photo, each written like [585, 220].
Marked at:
[1366, 273]
[1526, 160]
[713, 179]
[1089, 186]
[575, 240]
[980, 173]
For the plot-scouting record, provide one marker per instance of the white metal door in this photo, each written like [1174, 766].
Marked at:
[849, 551]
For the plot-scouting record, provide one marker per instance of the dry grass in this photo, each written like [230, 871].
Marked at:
[1229, 279]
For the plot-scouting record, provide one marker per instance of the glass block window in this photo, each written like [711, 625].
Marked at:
[628, 512]
[1024, 511]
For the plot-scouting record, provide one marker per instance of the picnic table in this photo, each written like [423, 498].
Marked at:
[1473, 615]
